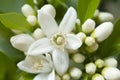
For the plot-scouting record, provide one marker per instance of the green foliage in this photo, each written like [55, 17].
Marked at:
[15, 21]
[86, 9]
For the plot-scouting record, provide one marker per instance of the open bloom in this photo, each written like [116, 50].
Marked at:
[41, 65]
[58, 39]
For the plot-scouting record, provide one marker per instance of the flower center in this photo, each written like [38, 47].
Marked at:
[37, 66]
[58, 39]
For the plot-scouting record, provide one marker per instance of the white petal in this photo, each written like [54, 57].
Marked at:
[40, 46]
[49, 9]
[22, 41]
[48, 76]
[47, 23]
[73, 41]
[31, 64]
[68, 21]
[61, 61]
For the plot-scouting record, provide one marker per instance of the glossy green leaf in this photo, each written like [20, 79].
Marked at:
[15, 21]
[111, 46]
[5, 45]
[86, 9]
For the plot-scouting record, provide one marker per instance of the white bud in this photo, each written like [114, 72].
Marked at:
[66, 77]
[92, 48]
[89, 41]
[90, 68]
[105, 16]
[78, 22]
[21, 41]
[82, 36]
[16, 31]
[88, 26]
[38, 33]
[32, 20]
[96, 13]
[78, 58]
[111, 62]
[27, 10]
[75, 73]
[57, 77]
[97, 77]
[103, 31]
[49, 9]
[111, 73]
[99, 63]
[35, 1]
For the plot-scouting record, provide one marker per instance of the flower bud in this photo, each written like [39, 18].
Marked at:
[111, 73]
[32, 20]
[38, 33]
[90, 68]
[103, 31]
[78, 22]
[99, 63]
[111, 62]
[82, 36]
[96, 13]
[27, 10]
[78, 58]
[49, 9]
[75, 73]
[21, 42]
[88, 26]
[89, 41]
[97, 77]
[92, 48]
[57, 77]
[66, 77]
[105, 16]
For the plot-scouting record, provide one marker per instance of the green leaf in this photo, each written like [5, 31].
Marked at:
[7, 68]
[5, 45]
[15, 21]
[111, 46]
[86, 9]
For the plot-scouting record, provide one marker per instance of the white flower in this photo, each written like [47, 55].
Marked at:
[41, 65]
[103, 31]
[97, 77]
[82, 36]
[38, 33]
[111, 62]
[58, 39]
[99, 63]
[27, 10]
[90, 68]
[22, 41]
[78, 58]
[48, 8]
[89, 41]
[111, 73]
[75, 73]
[105, 16]
[32, 20]
[88, 26]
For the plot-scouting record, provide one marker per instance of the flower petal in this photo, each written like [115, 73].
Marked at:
[47, 23]
[35, 64]
[48, 76]
[68, 21]
[61, 61]
[22, 41]
[40, 46]
[73, 41]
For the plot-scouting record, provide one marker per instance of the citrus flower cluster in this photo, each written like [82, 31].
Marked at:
[54, 52]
